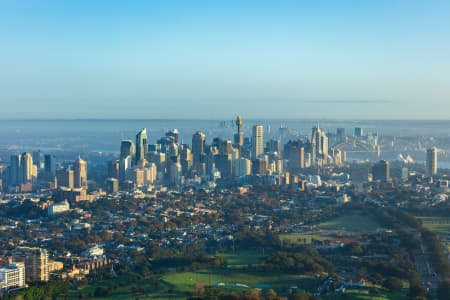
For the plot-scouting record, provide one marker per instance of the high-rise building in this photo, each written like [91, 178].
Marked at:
[37, 158]
[114, 169]
[295, 155]
[359, 132]
[198, 147]
[111, 185]
[174, 134]
[65, 178]
[381, 171]
[431, 163]
[26, 168]
[50, 165]
[224, 164]
[319, 145]
[274, 146]
[340, 134]
[12, 277]
[14, 170]
[127, 149]
[257, 141]
[80, 173]
[36, 262]
[242, 167]
[141, 145]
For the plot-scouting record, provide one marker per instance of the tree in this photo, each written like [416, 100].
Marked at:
[443, 291]
[269, 294]
[393, 284]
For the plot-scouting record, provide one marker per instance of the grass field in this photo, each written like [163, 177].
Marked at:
[244, 257]
[437, 224]
[186, 281]
[351, 222]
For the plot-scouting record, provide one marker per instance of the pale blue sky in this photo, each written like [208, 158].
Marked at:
[215, 59]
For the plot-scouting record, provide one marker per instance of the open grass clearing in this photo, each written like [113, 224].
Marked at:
[232, 279]
[244, 257]
[352, 222]
[440, 225]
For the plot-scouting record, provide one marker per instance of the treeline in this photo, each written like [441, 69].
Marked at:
[192, 262]
[438, 255]
[214, 293]
[306, 260]
[41, 291]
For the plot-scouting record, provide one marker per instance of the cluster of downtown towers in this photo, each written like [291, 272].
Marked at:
[141, 163]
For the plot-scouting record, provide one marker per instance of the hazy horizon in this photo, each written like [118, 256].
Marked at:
[174, 59]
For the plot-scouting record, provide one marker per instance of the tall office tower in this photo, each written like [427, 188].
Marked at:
[174, 135]
[295, 155]
[175, 174]
[127, 149]
[431, 163]
[114, 169]
[274, 146]
[141, 145]
[198, 147]
[14, 170]
[226, 147]
[319, 145]
[37, 158]
[359, 132]
[381, 171]
[150, 174]
[26, 168]
[50, 165]
[186, 160]
[242, 167]
[340, 134]
[257, 141]
[36, 262]
[64, 177]
[80, 173]
[224, 164]
[125, 164]
[239, 136]
[111, 185]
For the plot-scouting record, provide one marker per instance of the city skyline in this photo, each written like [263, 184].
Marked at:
[345, 60]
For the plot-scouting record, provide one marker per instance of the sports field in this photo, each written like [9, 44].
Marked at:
[236, 280]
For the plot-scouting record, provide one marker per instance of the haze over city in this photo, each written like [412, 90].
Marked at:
[272, 59]
[225, 150]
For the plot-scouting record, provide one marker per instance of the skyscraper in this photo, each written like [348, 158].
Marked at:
[36, 262]
[295, 155]
[257, 141]
[26, 167]
[127, 149]
[381, 171]
[359, 132]
[14, 170]
[141, 145]
[50, 165]
[319, 145]
[198, 147]
[80, 173]
[64, 178]
[431, 162]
